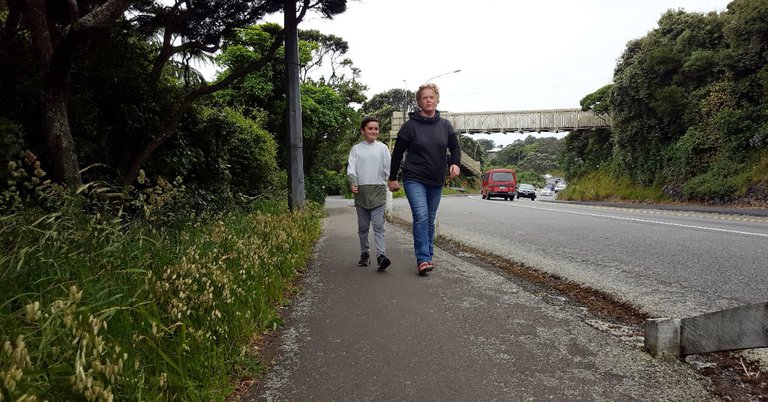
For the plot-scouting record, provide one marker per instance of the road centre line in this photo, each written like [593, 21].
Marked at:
[627, 219]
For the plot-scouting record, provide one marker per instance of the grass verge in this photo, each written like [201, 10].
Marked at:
[101, 311]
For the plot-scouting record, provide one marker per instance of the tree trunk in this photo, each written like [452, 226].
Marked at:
[55, 47]
[60, 145]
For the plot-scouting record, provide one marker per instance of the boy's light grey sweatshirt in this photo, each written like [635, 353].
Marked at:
[368, 169]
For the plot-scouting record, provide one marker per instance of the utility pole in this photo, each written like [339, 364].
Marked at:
[405, 109]
[296, 194]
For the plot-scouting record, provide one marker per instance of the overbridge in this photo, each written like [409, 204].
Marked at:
[554, 120]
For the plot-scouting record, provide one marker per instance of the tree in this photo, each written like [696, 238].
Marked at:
[329, 122]
[382, 105]
[486, 144]
[536, 155]
[61, 32]
[58, 33]
[598, 101]
[653, 101]
[204, 25]
[585, 151]
[472, 147]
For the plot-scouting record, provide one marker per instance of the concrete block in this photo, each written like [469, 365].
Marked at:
[743, 327]
[662, 337]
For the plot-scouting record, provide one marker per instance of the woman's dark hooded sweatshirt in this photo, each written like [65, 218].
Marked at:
[424, 141]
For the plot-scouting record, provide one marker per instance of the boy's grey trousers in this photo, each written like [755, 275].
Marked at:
[366, 217]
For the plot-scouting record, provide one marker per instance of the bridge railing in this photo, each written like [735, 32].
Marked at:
[524, 121]
[554, 120]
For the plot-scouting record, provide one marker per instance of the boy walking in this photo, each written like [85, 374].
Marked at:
[367, 172]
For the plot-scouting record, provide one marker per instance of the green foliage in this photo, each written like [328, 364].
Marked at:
[530, 177]
[531, 158]
[239, 159]
[336, 182]
[329, 124]
[486, 144]
[382, 105]
[464, 182]
[95, 309]
[601, 185]
[475, 149]
[726, 181]
[11, 143]
[539, 155]
[585, 152]
[317, 50]
[746, 31]
[688, 107]
[669, 102]
[598, 101]
[712, 185]
[322, 183]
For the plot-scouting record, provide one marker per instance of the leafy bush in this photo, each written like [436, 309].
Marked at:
[709, 186]
[314, 187]
[10, 139]
[722, 183]
[241, 158]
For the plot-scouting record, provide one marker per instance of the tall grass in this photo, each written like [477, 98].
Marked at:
[601, 186]
[101, 310]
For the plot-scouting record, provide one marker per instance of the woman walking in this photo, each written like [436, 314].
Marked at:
[423, 140]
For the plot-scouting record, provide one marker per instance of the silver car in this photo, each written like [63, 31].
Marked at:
[526, 191]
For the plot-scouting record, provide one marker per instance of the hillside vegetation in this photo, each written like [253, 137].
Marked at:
[689, 107]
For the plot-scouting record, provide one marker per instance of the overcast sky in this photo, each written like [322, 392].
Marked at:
[513, 54]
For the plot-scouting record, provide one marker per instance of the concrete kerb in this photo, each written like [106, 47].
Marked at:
[662, 337]
[738, 328]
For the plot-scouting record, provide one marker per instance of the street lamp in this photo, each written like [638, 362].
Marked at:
[405, 109]
[477, 148]
[440, 75]
[405, 99]
[479, 159]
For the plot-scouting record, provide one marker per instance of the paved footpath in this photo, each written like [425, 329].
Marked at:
[462, 333]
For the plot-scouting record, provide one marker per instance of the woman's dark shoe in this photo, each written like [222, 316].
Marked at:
[365, 260]
[384, 262]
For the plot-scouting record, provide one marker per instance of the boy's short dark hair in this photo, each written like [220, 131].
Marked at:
[368, 119]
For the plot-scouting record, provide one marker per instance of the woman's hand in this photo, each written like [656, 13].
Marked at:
[354, 189]
[454, 171]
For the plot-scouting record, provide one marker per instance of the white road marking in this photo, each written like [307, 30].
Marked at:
[626, 219]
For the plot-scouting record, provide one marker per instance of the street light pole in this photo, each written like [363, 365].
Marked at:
[479, 158]
[405, 110]
[440, 75]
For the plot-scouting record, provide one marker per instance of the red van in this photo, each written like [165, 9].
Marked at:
[500, 183]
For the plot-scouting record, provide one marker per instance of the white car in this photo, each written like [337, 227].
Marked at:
[560, 186]
[547, 192]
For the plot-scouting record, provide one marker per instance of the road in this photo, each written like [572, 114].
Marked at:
[666, 263]
[461, 333]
